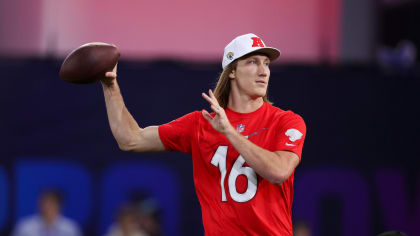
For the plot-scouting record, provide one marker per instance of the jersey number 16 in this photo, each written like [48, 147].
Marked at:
[219, 160]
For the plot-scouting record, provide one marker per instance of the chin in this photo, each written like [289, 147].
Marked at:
[261, 93]
[258, 95]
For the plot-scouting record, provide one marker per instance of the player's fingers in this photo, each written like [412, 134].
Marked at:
[111, 75]
[206, 115]
[215, 109]
[213, 97]
[211, 94]
[208, 99]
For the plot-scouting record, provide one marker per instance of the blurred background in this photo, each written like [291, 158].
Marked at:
[348, 67]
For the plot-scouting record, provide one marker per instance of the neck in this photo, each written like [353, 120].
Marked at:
[245, 105]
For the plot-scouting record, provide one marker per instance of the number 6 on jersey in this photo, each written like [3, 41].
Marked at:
[219, 160]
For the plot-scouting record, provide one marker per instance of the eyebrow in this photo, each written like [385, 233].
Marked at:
[255, 57]
[265, 60]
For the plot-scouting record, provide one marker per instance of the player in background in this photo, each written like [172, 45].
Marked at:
[244, 152]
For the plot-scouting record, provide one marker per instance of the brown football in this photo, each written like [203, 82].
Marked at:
[89, 63]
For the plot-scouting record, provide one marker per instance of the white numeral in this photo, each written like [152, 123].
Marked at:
[219, 160]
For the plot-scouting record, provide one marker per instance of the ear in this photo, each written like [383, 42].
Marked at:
[232, 74]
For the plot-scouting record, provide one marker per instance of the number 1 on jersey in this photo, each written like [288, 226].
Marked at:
[219, 160]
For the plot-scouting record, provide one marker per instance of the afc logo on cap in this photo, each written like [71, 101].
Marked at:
[257, 42]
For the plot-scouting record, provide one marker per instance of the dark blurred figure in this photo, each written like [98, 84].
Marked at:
[301, 229]
[149, 212]
[139, 217]
[49, 221]
[127, 223]
[392, 233]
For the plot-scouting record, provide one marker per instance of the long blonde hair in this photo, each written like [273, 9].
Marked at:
[222, 89]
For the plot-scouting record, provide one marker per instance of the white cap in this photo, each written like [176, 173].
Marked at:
[246, 44]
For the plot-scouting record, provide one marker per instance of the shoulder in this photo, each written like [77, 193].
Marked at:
[27, 225]
[68, 225]
[191, 119]
[29, 221]
[284, 115]
[185, 119]
[192, 115]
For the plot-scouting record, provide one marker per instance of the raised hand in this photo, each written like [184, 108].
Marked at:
[110, 76]
[219, 122]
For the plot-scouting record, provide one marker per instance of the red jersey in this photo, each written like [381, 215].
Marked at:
[234, 199]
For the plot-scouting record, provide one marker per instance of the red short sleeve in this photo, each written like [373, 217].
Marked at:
[291, 134]
[177, 134]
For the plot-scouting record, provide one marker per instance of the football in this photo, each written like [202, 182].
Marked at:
[89, 63]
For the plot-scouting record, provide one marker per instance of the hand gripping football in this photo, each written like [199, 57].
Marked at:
[89, 63]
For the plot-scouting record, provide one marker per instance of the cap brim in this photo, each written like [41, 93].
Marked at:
[272, 53]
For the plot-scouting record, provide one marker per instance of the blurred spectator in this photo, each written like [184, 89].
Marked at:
[140, 217]
[127, 223]
[149, 213]
[49, 221]
[300, 228]
[392, 233]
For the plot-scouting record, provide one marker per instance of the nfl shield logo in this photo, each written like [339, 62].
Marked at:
[240, 128]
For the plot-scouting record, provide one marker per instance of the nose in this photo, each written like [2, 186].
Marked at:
[263, 70]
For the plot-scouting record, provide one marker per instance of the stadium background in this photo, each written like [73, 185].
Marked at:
[343, 69]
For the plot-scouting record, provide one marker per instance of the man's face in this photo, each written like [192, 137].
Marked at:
[251, 76]
[49, 207]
